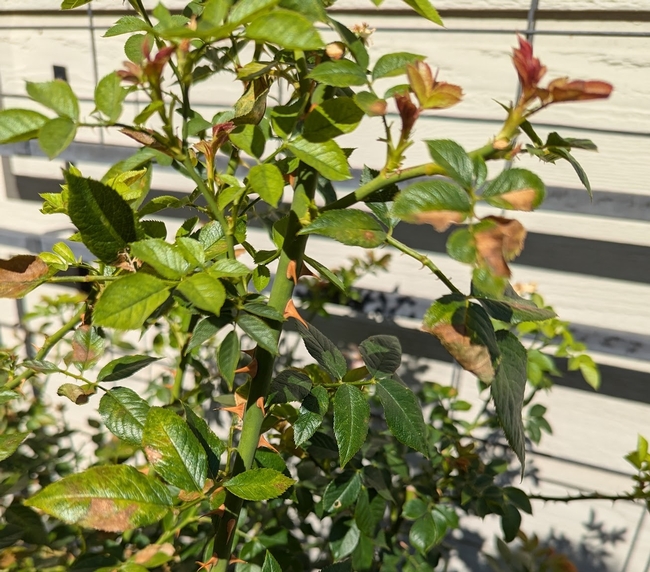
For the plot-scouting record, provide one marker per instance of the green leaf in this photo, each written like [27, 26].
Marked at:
[517, 189]
[109, 95]
[204, 291]
[512, 308]
[312, 9]
[510, 522]
[348, 226]
[414, 509]
[333, 117]
[249, 138]
[229, 268]
[391, 65]
[403, 414]
[127, 25]
[41, 366]
[310, 417]
[351, 419]
[173, 450]
[163, 257]
[113, 498]
[270, 563]
[124, 413]
[127, 302]
[212, 445]
[71, 4]
[518, 498]
[228, 357]
[426, 10]
[289, 30]
[326, 157]
[341, 73]
[289, 385]
[267, 181]
[458, 165]
[323, 350]
[56, 135]
[342, 492]
[434, 202]
[10, 442]
[258, 484]
[381, 354]
[56, 95]
[7, 395]
[353, 42]
[371, 105]
[104, 219]
[123, 367]
[260, 332]
[508, 391]
[577, 167]
[326, 272]
[427, 531]
[20, 125]
[245, 10]
[285, 117]
[87, 348]
[264, 311]
[369, 513]
[461, 246]
[343, 540]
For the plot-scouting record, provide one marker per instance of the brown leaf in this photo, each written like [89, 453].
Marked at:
[562, 89]
[440, 220]
[105, 514]
[472, 357]
[148, 552]
[521, 199]
[143, 137]
[21, 274]
[499, 242]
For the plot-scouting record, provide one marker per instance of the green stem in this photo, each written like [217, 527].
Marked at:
[488, 151]
[212, 205]
[89, 278]
[281, 293]
[424, 260]
[49, 343]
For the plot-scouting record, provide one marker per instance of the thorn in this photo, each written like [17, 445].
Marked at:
[230, 527]
[264, 443]
[290, 311]
[291, 271]
[250, 368]
[260, 404]
[239, 252]
[305, 271]
[239, 407]
[208, 564]
[235, 560]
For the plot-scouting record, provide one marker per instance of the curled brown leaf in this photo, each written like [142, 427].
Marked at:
[21, 274]
[499, 241]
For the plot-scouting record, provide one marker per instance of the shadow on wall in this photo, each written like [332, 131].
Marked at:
[553, 553]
